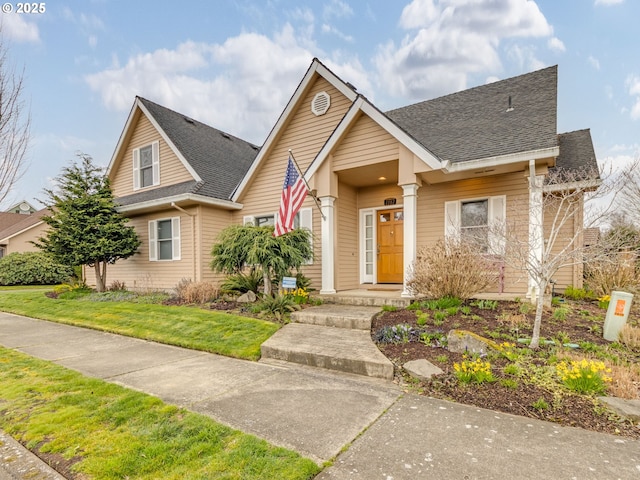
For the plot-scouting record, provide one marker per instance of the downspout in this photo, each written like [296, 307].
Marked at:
[536, 239]
[193, 237]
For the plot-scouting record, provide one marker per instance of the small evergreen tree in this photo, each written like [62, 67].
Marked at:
[85, 227]
[238, 246]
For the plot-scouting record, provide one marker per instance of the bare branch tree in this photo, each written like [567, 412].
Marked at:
[630, 194]
[15, 124]
[558, 212]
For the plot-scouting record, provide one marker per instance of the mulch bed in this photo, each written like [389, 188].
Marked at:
[582, 323]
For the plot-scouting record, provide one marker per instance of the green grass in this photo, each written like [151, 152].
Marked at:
[189, 327]
[114, 433]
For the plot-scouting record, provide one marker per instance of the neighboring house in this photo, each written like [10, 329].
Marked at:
[388, 183]
[17, 231]
[23, 207]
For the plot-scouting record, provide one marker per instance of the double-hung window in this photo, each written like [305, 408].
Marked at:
[474, 223]
[164, 239]
[146, 166]
[303, 219]
[479, 221]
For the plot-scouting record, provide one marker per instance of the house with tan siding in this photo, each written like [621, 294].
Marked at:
[383, 184]
[19, 230]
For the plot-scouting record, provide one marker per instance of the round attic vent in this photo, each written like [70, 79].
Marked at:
[320, 103]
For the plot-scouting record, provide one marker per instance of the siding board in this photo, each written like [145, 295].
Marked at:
[347, 272]
[172, 171]
[304, 134]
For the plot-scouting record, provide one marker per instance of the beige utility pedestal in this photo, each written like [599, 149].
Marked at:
[617, 315]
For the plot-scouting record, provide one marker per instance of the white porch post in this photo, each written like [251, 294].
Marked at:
[410, 201]
[328, 245]
[536, 232]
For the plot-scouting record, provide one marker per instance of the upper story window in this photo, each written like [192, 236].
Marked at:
[146, 166]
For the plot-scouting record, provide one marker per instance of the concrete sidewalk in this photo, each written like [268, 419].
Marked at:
[318, 413]
[311, 411]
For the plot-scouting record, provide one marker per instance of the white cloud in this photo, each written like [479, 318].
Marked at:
[16, 28]
[594, 62]
[556, 45]
[334, 31]
[633, 87]
[450, 39]
[88, 25]
[608, 3]
[337, 9]
[239, 86]
[525, 57]
[419, 13]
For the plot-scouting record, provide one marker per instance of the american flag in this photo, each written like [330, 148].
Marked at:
[294, 192]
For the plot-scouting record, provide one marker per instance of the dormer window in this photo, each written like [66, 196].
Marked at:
[146, 166]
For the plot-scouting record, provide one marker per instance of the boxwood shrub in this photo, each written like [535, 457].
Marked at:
[32, 268]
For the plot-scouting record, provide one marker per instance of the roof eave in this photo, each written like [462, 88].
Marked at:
[587, 185]
[316, 67]
[139, 105]
[26, 229]
[184, 197]
[361, 104]
[452, 167]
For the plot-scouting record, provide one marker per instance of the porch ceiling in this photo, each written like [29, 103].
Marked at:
[370, 175]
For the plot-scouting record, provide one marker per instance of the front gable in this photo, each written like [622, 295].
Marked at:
[143, 144]
[303, 133]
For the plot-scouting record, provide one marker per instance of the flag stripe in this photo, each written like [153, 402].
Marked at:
[294, 191]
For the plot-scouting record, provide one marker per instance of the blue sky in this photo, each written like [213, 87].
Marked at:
[234, 64]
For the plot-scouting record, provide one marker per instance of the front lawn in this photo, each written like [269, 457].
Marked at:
[188, 327]
[88, 428]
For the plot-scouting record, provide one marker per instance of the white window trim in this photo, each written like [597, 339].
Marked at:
[364, 277]
[175, 240]
[306, 221]
[155, 165]
[496, 217]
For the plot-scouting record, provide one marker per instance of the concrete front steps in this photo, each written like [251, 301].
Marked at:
[371, 298]
[336, 337]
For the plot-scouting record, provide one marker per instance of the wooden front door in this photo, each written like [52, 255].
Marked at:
[390, 240]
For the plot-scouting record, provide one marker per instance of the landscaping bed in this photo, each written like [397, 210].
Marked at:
[524, 382]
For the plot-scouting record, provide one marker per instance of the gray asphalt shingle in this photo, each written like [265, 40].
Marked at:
[220, 159]
[477, 123]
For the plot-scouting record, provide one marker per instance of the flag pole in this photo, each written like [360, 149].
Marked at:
[309, 191]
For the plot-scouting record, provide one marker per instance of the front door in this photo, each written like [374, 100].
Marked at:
[390, 240]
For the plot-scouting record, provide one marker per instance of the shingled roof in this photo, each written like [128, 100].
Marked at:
[220, 159]
[576, 152]
[505, 117]
[26, 222]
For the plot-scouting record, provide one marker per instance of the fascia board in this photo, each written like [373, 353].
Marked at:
[166, 138]
[316, 67]
[167, 201]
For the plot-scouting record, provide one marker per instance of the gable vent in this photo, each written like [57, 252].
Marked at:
[320, 103]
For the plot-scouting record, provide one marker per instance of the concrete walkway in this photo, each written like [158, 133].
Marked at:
[318, 413]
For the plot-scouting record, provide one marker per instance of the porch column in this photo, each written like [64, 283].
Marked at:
[328, 245]
[536, 232]
[410, 201]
